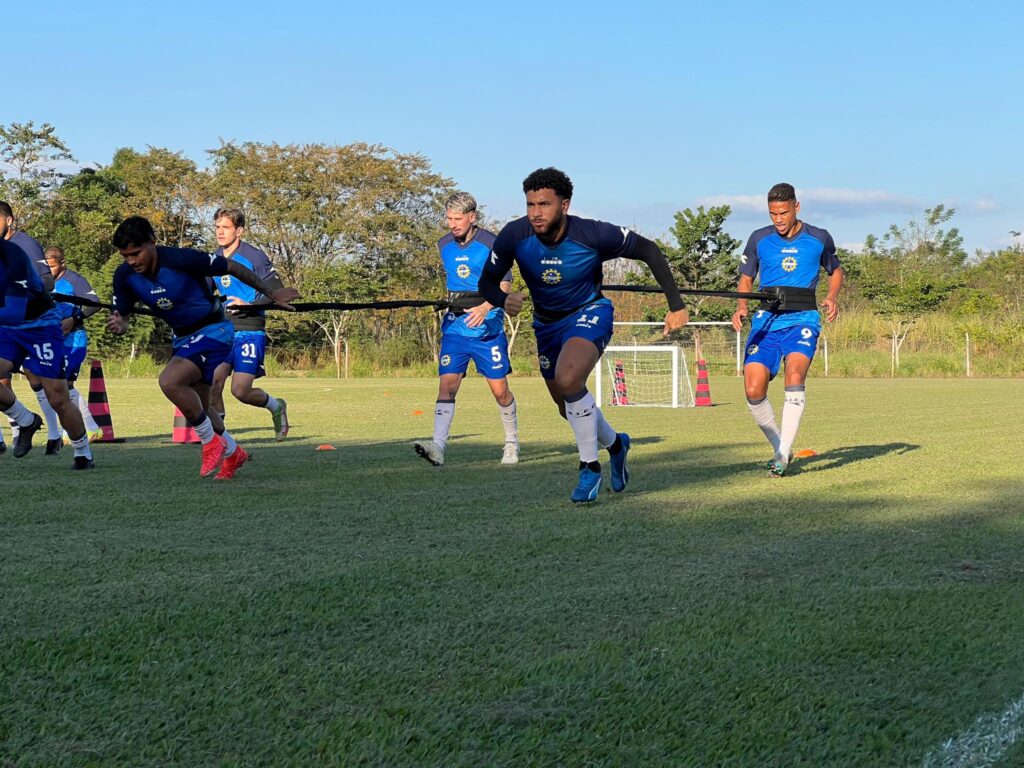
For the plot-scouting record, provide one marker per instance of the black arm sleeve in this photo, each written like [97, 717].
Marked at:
[495, 271]
[649, 253]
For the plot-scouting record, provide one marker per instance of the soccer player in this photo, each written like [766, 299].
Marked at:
[76, 342]
[173, 282]
[246, 362]
[30, 336]
[34, 250]
[560, 257]
[790, 254]
[476, 330]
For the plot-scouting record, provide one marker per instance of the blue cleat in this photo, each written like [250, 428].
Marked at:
[588, 488]
[620, 472]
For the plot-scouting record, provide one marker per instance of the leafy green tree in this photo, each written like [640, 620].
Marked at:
[911, 271]
[34, 156]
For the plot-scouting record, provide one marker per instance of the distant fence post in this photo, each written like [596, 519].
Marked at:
[824, 348]
[967, 352]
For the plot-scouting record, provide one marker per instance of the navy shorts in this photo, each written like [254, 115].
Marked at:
[206, 348]
[248, 351]
[39, 350]
[593, 323]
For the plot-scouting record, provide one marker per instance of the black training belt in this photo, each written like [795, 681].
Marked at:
[788, 298]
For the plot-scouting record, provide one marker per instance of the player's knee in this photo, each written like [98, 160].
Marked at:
[568, 382]
[240, 390]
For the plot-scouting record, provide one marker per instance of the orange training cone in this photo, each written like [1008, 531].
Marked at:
[620, 396]
[703, 397]
[98, 405]
[183, 431]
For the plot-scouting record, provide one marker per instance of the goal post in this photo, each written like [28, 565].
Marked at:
[650, 376]
[719, 345]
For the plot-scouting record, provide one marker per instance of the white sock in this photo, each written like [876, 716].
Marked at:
[271, 404]
[764, 417]
[20, 416]
[81, 446]
[204, 429]
[53, 430]
[15, 429]
[582, 414]
[444, 412]
[231, 444]
[83, 408]
[510, 421]
[606, 434]
[792, 411]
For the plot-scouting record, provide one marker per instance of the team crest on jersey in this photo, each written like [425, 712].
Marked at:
[446, 359]
[752, 349]
[544, 363]
[551, 276]
[789, 263]
[225, 280]
[462, 271]
[164, 303]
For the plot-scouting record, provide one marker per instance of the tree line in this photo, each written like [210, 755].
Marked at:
[359, 222]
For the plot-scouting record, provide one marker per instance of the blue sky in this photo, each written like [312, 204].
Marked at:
[873, 110]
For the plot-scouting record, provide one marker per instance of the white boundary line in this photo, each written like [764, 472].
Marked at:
[984, 744]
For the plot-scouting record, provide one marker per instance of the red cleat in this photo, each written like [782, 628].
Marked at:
[232, 464]
[213, 455]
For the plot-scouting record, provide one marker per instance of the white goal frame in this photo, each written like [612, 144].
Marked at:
[699, 324]
[679, 373]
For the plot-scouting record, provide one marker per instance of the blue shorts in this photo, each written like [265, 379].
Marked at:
[248, 351]
[73, 359]
[770, 347]
[490, 355]
[593, 323]
[206, 348]
[39, 350]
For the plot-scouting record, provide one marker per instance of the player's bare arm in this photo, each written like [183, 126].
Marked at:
[746, 285]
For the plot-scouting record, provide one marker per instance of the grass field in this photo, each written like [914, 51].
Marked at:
[359, 607]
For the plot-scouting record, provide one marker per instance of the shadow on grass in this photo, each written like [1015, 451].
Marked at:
[840, 457]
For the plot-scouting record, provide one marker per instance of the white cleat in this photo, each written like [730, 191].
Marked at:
[510, 453]
[430, 451]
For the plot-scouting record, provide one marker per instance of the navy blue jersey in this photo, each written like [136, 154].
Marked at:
[566, 276]
[233, 289]
[25, 302]
[34, 250]
[462, 267]
[179, 292]
[796, 262]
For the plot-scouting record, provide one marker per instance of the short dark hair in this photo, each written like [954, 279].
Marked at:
[236, 216]
[54, 251]
[6, 210]
[782, 193]
[549, 178]
[133, 231]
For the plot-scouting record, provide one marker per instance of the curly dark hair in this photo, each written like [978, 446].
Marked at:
[133, 231]
[549, 178]
[782, 193]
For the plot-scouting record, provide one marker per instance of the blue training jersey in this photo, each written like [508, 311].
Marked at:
[462, 267]
[179, 292]
[233, 289]
[34, 250]
[797, 262]
[566, 276]
[70, 283]
[25, 301]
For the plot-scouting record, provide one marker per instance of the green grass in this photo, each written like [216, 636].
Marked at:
[359, 607]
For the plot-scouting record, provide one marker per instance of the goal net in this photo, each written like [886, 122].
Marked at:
[714, 342]
[652, 376]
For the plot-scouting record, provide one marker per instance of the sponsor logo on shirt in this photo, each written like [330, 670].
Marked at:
[556, 262]
[789, 250]
[155, 291]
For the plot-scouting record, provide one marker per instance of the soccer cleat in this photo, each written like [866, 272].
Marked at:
[23, 443]
[83, 462]
[280, 417]
[777, 467]
[620, 472]
[232, 464]
[213, 455]
[589, 486]
[510, 453]
[431, 451]
[53, 446]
